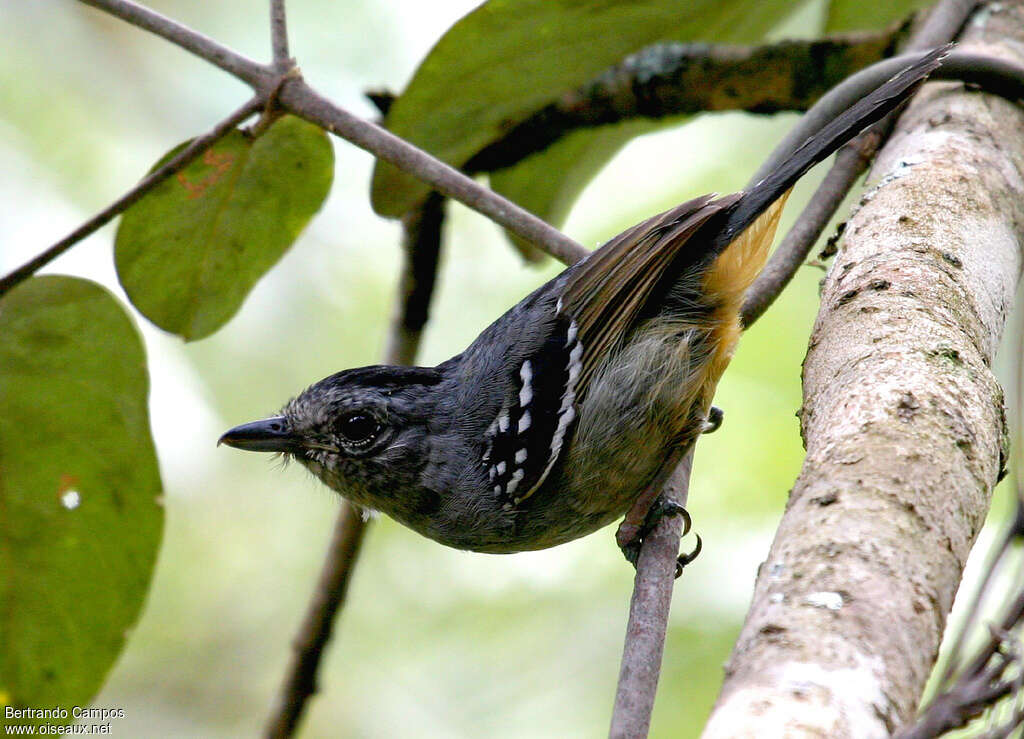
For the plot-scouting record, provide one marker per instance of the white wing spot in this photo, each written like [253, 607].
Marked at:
[503, 422]
[521, 456]
[524, 421]
[514, 482]
[575, 365]
[501, 467]
[526, 394]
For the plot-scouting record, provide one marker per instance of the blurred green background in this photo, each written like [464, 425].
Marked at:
[433, 642]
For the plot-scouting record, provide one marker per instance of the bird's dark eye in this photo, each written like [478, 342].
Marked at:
[358, 428]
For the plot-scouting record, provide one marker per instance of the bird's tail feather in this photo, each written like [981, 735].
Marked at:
[742, 236]
[872, 107]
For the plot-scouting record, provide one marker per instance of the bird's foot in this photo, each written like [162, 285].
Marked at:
[714, 420]
[631, 538]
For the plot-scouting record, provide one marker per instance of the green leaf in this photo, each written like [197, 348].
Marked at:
[190, 251]
[857, 15]
[80, 512]
[548, 183]
[509, 58]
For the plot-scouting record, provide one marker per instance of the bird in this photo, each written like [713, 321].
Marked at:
[569, 411]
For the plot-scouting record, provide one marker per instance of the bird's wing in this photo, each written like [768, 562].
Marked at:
[597, 306]
[606, 294]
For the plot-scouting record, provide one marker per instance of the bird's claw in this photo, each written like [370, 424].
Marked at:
[684, 559]
[661, 508]
[714, 420]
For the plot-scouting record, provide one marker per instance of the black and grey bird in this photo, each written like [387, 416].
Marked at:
[566, 412]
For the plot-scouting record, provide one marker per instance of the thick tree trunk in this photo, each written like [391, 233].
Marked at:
[903, 422]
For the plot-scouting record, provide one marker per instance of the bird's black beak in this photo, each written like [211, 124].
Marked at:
[269, 435]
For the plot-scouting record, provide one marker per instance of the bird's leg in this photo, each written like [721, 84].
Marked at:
[631, 534]
[651, 506]
[714, 420]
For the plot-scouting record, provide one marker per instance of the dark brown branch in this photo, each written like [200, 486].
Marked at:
[204, 47]
[174, 165]
[982, 683]
[676, 79]
[308, 645]
[279, 36]
[421, 245]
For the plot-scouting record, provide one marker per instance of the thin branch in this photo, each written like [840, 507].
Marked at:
[304, 101]
[421, 244]
[981, 684]
[202, 46]
[299, 98]
[313, 635]
[279, 36]
[648, 616]
[995, 559]
[174, 165]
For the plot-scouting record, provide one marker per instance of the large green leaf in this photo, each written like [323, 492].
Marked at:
[190, 251]
[857, 15]
[509, 58]
[80, 512]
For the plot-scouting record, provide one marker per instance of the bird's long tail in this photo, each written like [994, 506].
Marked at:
[744, 234]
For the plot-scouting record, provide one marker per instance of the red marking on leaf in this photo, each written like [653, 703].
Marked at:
[219, 162]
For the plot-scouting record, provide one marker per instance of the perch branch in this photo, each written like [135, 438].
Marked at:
[636, 690]
[649, 607]
[421, 245]
[304, 101]
[903, 425]
[174, 165]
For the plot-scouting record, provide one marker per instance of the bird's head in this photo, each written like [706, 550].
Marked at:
[363, 432]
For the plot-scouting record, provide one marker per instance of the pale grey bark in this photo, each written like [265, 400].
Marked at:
[903, 422]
